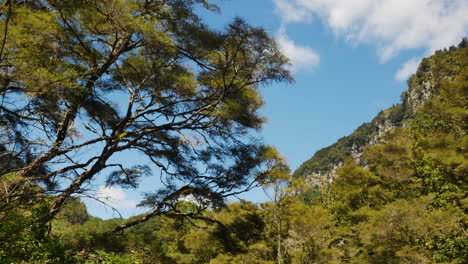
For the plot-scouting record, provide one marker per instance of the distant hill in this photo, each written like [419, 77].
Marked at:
[443, 65]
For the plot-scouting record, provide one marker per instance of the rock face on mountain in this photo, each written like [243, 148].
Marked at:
[321, 168]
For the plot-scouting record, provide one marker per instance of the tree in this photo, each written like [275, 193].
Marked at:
[409, 231]
[310, 235]
[113, 76]
[275, 187]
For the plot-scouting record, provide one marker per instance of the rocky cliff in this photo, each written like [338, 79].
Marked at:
[321, 168]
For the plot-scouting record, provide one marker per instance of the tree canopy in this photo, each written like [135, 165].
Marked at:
[84, 81]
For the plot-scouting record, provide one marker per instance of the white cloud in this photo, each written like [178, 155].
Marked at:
[291, 13]
[407, 69]
[391, 25]
[115, 197]
[302, 57]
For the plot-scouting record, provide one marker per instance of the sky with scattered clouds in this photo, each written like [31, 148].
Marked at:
[351, 59]
[301, 57]
[391, 26]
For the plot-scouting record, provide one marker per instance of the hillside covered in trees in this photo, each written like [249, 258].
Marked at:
[421, 87]
[394, 191]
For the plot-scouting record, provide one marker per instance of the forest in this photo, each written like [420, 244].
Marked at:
[86, 82]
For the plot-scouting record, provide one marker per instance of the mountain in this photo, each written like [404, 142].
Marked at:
[447, 64]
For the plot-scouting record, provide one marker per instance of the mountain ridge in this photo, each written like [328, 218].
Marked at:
[321, 167]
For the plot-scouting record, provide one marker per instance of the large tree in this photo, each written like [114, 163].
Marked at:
[83, 81]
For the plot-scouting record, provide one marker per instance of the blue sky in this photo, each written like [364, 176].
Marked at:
[351, 60]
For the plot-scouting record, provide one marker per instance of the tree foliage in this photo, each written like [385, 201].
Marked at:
[85, 81]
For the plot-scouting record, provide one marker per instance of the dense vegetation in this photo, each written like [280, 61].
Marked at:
[408, 204]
